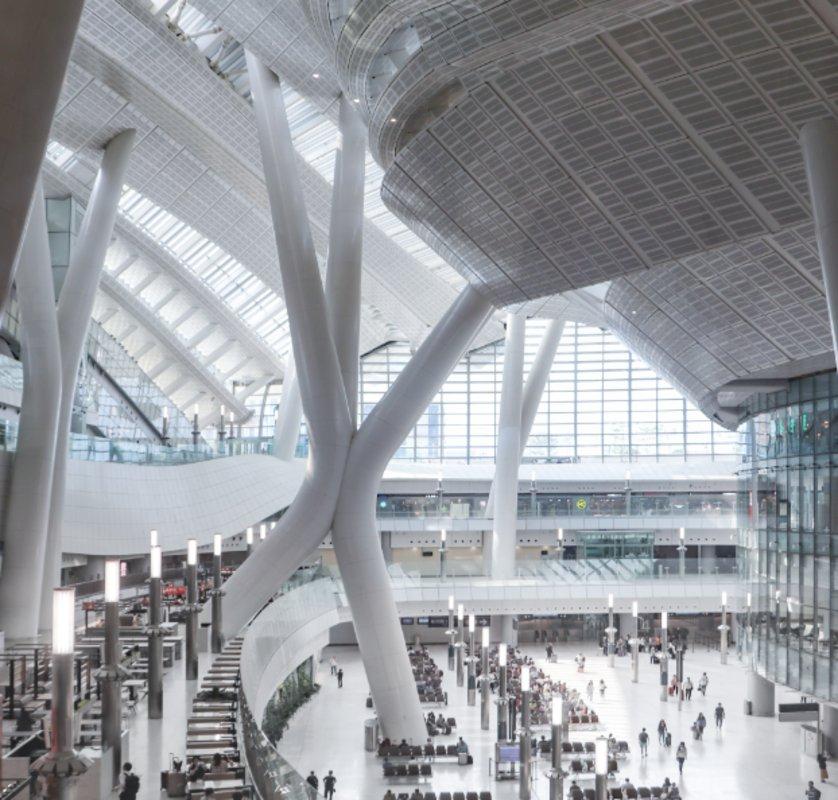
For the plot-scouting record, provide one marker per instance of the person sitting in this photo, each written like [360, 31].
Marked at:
[627, 786]
[388, 795]
[432, 717]
[218, 763]
[462, 747]
[575, 793]
[417, 794]
[197, 770]
[25, 721]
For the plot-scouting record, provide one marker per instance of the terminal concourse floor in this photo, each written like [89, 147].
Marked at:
[753, 758]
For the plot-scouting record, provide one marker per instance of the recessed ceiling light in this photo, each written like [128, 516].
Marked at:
[315, 75]
[392, 119]
[355, 100]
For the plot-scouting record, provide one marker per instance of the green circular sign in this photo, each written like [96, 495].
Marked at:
[581, 504]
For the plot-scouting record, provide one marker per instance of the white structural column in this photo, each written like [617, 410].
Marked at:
[304, 526]
[27, 517]
[287, 429]
[501, 555]
[37, 38]
[343, 268]
[75, 305]
[354, 535]
[537, 379]
[819, 140]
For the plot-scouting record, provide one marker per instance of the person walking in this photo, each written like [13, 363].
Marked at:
[313, 785]
[688, 689]
[130, 783]
[812, 792]
[590, 691]
[643, 738]
[662, 732]
[340, 678]
[601, 687]
[329, 783]
[822, 767]
[719, 713]
[681, 757]
[702, 684]
[333, 666]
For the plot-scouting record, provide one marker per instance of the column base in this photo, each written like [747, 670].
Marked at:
[759, 692]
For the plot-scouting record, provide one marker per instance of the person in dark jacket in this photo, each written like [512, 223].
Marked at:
[329, 784]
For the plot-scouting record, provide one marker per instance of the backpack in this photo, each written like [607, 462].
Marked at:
[132, 785]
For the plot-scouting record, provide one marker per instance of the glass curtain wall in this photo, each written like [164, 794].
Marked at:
[600, 404]
[788, 517]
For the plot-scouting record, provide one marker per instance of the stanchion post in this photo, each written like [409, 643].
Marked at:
[471, 686]
[461, 645]
[503, 709]
[555, 774]
[524, 737]
[155, 636]
[485, 681]
[61, 764]
[191, 610]
[217, 636]
[665, 656]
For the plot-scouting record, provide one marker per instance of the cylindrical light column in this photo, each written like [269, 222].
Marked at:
[191, 610]
[196, 431]
[471, 687]
[503, 710]
[443, 535]
[216, 594]
[601, 768]
[665, 656]
[682, 553]
[61, 763]
[461, 645]
[263, 532]
[249, 539]
[723, 630]
[164, 433]
[485, 688]
[635, 647]
[611, 630]
[111, 673]
[222, 430]
[524, 738]
[560, 544]
[555, 773]
[451, 632]
[155, 637]
[680, 648]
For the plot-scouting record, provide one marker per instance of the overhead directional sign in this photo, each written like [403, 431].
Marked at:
[798, 712]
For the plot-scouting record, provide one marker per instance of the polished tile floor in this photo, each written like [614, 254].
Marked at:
[750, 759]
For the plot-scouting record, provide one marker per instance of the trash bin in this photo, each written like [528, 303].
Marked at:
[371, 735]
[749, 708]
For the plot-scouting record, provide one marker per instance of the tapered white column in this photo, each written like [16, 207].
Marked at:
[75, 305]
[501, 554]
[289, 414]
[27, 519]
[354, 535]
[155, 636]
[819, 140]
[343, 268]
[304, 526]
[537, 379]
[37, 38]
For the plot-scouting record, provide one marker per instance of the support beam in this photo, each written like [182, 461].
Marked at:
[819, 140]
[27, 517]
[289, 414]
[74, 309]
[354, 535]
[501, 555]
[344, 267]
[537, 379]
[306, 523]
[37, 38]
